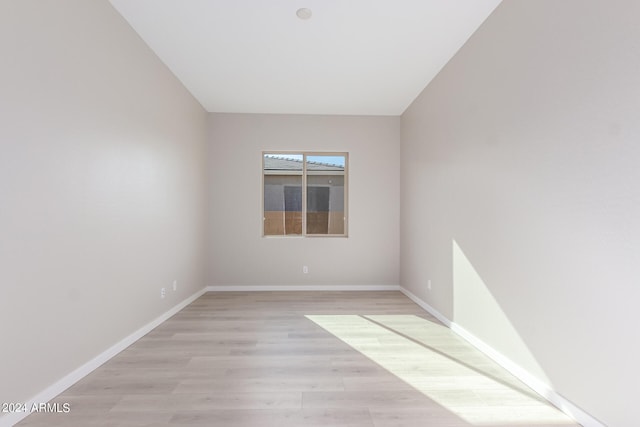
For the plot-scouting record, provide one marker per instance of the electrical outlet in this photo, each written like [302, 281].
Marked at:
[175, 285]
[305, 269]
[429, 284]
[163, 292]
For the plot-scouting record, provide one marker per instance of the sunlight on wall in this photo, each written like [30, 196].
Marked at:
[476, 310]
[435, 361]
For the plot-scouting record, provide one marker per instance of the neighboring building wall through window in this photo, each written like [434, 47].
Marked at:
[305, 194]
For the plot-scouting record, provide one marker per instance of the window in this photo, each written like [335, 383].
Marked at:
[304, 194]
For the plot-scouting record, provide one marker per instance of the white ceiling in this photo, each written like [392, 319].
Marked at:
[361, 57]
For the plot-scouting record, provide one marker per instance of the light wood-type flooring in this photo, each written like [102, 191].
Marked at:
[301, 359]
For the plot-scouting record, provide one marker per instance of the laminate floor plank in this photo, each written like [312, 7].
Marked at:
[170, 403]
[275, 418]
[299, 384]
[343, 359]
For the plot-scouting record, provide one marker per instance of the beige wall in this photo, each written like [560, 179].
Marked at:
[520, 189]
[240, 256]
[102, 188]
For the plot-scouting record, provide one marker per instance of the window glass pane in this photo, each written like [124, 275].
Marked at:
[325, 194]
[327, 161]
[282, 194]
[283, 162]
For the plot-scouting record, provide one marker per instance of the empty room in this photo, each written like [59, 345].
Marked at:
[319, 213]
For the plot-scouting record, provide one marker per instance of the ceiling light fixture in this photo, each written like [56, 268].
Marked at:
[304, 13]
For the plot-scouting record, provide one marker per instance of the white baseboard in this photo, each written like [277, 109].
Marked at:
[426, 307]
[540, 387]
[271, 288]
[531, 381]
[67, 381]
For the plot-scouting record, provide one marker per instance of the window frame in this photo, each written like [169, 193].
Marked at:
[304, 155]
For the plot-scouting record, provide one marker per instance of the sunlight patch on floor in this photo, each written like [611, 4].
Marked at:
[436, 362]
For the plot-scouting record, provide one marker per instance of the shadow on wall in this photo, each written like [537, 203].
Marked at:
[476, 310]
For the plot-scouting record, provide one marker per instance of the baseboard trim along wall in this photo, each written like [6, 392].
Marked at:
[531, 381]
[278, 288]
[67, 381]
[426, 307]
[538, 386]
